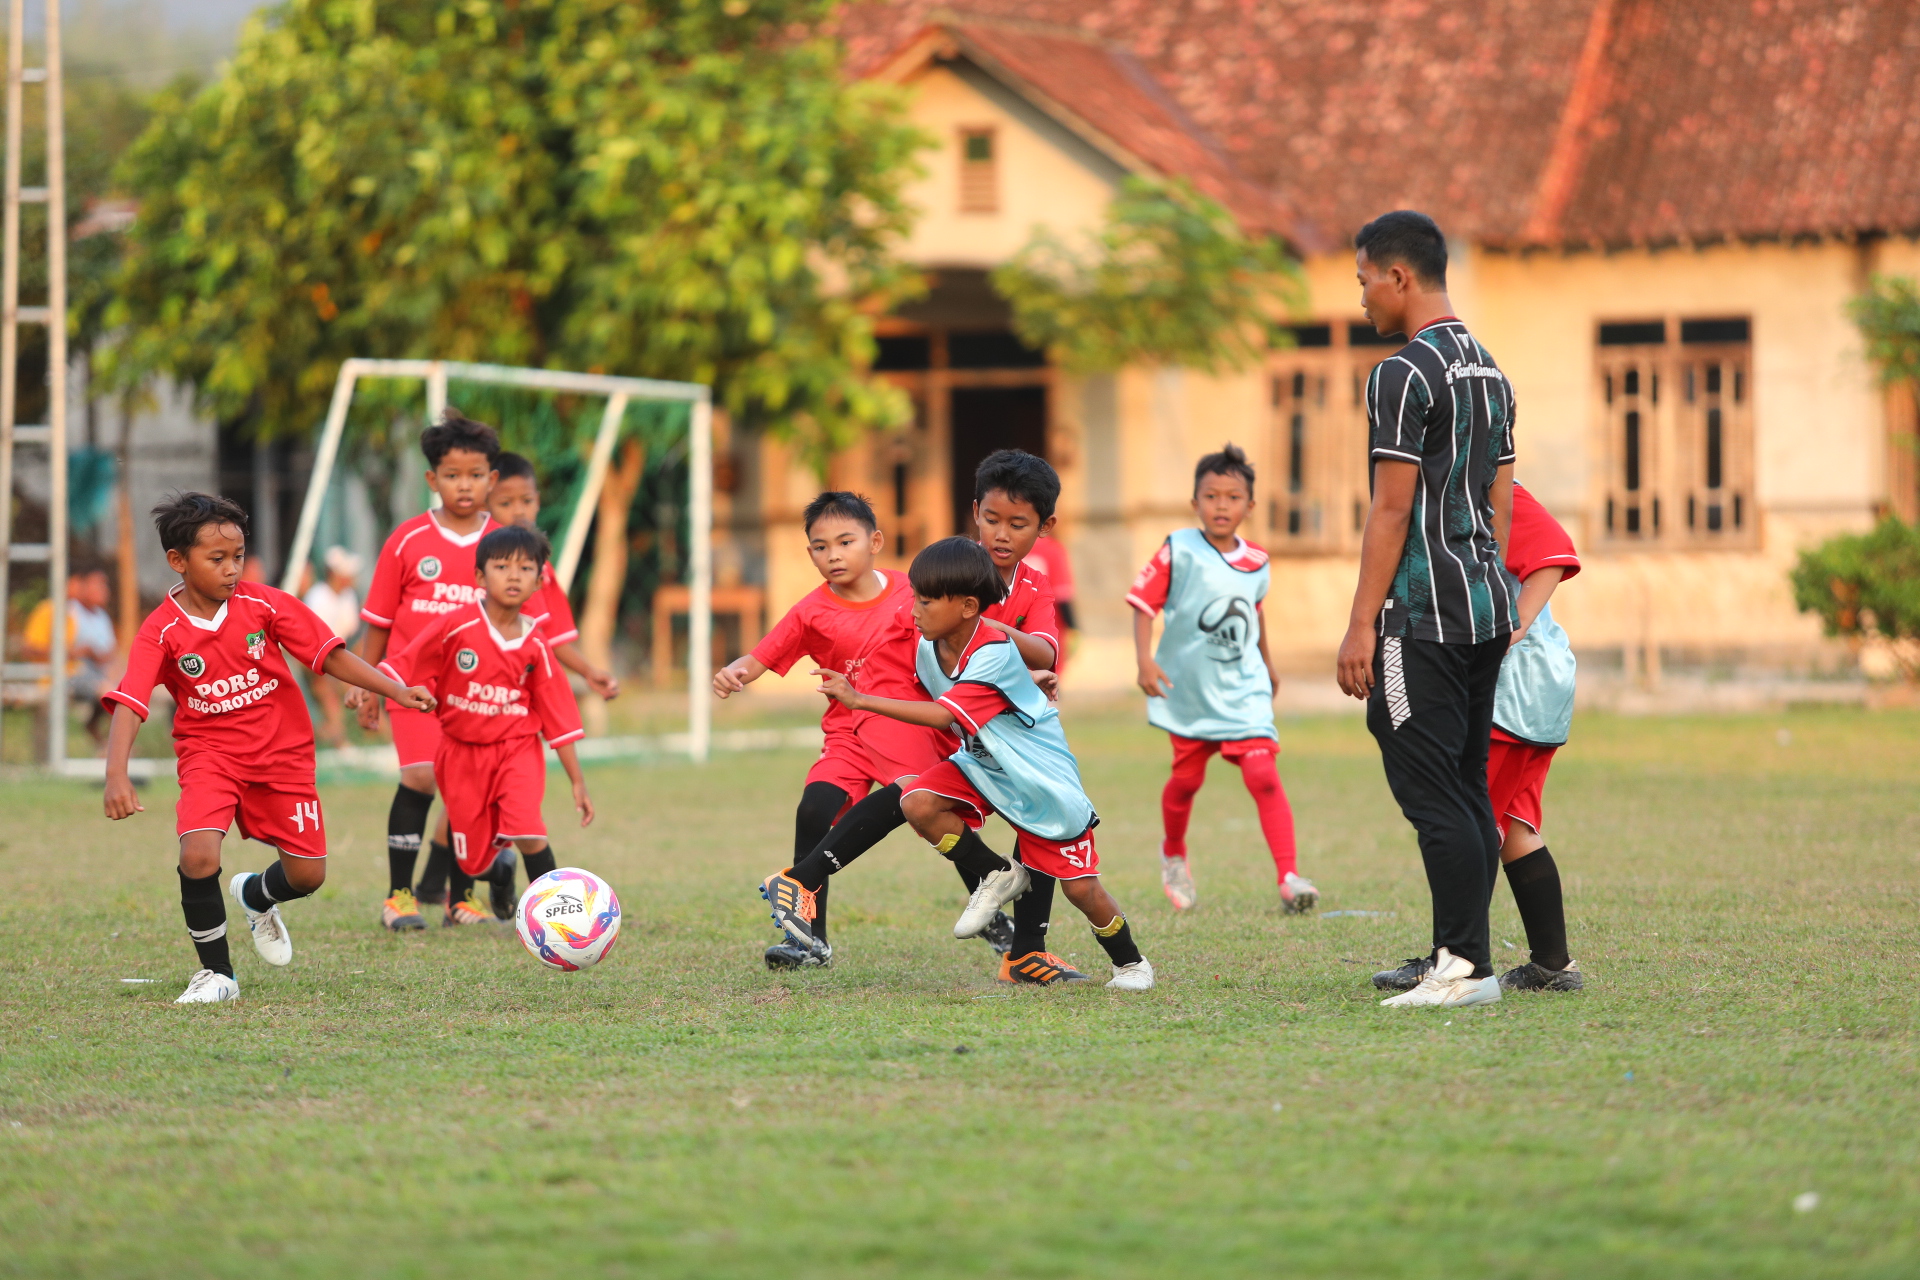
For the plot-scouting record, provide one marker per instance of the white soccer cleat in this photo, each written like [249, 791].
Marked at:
[208, 987]
[1137, 976]
[1297, 894]
[1177, 879]
[1450, 985]
[996, 890]
[270, 936]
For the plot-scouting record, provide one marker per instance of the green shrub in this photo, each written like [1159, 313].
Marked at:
[1865, 585]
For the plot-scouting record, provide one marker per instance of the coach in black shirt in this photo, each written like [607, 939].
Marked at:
[1434, 609]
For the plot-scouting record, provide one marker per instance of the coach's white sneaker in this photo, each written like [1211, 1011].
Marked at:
[208, 987]
[996, 890]
[1177, 879]
[270, 936]
[1450, 985]
[1137, 976]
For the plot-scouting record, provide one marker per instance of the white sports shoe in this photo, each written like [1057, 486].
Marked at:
[270, 936]
[1137, 976]
[996, 891]
[208, 987]
[1298, 895]
[1177, 879]
[1450, 985]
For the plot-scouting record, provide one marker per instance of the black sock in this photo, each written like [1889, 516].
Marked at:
[1535, 882]
[970, 853]
[864, 826]
[1031, 912]
[969, 878]
[538, 864]
[406, 825]
[460, 884]
[820, 804]
[1118, 941]
[270, 886]
[433, 881]
[206, 913]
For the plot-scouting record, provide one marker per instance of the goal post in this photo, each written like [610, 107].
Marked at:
[619, 393]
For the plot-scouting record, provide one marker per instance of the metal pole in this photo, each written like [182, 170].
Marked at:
[700, 571]
[56, 389]
[10, 306]
[583, 507]
[322, 475]
[436, 405]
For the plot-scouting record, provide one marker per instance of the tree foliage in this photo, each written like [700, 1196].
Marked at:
[1865, 585]
[1888, 314]
[683, 189]
[1171, 279]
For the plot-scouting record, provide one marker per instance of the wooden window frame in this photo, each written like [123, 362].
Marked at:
[979, 179]
[1313, 491]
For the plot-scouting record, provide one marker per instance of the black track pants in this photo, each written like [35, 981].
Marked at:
[1432, 713]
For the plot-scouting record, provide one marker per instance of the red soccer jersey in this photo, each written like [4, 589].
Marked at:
[424, 572]
[1049, 556]
[1029, 608]
[236, 696]
[1537, 541]
[1150, 585]
[551, 607]
[836, 634]
[490, 688]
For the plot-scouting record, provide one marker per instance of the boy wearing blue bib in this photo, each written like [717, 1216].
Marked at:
[1210, 684]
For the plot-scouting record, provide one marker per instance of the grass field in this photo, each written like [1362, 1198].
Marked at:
[1742, 896]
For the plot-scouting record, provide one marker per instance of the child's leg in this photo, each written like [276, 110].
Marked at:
[1110, 928]
[201, 901]
[936, 818]
[1262, 776]
[439, 871]
[860, 828]
[820, 804]
[537, 855]
[1190, 757]
[406, 825]
[1032, 912]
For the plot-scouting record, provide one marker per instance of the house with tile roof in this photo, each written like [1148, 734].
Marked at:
[1657, 214]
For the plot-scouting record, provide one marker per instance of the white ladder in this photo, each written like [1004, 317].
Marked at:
[52, 435]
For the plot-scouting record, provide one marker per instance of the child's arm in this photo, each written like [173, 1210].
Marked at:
[1035, 652]
[1273, 676]
[1153, 681]
[121, 800]
[604, 683]
[1534, 594]
[737, 675]
[570, 761]
[350, 669]
[373, 647]
[930, 714]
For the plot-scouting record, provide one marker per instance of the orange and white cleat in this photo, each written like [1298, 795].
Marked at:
[467, 911]
[1040, 969]
[1177, 880]
[792, 907]
[400, 912]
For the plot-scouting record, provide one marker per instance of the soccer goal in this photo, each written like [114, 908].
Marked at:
[619, 392]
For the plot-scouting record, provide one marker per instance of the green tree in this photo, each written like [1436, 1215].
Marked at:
[1866, 585]
[1888, 314]
[684, 189]
[1171, 279]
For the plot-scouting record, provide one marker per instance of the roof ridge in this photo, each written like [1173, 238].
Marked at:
[942, 15]
[1573, 137]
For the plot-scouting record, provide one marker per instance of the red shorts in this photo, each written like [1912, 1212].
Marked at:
[416, 734]
[1074, 859]
[284, 815]
[1189, 751]
[1516, 775]
[492, 791]
[897, 750]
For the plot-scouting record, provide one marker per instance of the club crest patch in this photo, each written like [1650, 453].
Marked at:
[192, 665]
[256, 645]
[466, 660]
[429, 567]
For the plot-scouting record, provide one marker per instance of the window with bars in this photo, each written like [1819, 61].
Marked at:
[1314, 478]
[1676, 407]
[979, 178]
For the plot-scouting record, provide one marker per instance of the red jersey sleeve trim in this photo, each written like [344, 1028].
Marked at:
[565, 637]
[132, 703]
[369, 615]
[391, 674]
[960, 714]
[1141, 605]
[325, 651]
[565, 738]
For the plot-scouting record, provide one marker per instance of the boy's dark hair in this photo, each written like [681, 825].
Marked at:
[512, 466]
[181, 518]
[839, 502]
[509, 541]
[956, 567]
[457, 431]
[1411, 239]
[1020, 476]
[1230, 461]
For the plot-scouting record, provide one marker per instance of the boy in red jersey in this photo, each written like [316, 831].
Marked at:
[240, 728]
[500, 690]
[425, 570]
[836, 625]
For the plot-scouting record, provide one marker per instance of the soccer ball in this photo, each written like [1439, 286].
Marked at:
[568, 918]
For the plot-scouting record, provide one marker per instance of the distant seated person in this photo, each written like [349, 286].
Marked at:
[337, 600]
[91, 643]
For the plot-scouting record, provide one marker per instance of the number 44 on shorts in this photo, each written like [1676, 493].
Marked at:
[304, 812]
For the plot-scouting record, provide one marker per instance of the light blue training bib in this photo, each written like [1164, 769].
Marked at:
[1019, 760]
[1210, 646]
[1534, 698]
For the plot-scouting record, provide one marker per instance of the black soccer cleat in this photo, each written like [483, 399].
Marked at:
[999, 933]
[1040, 969]
[500, 879]
[789, 955]
[1533, 977]
[791, 905]
[1406, 977]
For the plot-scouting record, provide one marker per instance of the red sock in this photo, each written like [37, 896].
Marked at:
[1262, 777]
[1176, 801]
